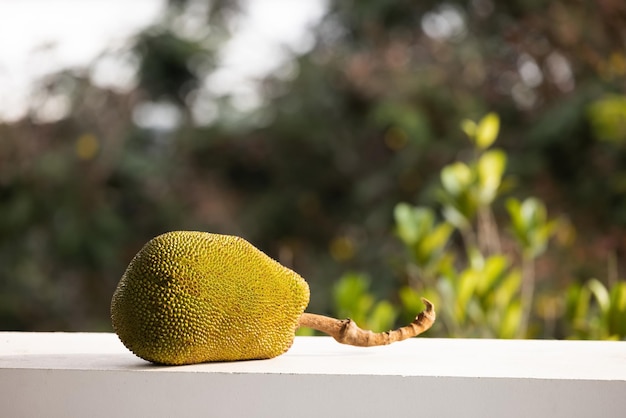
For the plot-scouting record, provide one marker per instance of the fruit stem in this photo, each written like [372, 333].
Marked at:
[346, 331]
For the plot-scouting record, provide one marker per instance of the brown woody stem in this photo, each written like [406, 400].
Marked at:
[346, 331]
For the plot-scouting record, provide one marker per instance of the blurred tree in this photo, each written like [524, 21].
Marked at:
[366, 119]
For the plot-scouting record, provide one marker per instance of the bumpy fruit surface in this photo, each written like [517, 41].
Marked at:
[191, 297]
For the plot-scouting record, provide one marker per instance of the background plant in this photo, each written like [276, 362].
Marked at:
[366, 119]
[477, 286]
[481, 290]
[595, 311]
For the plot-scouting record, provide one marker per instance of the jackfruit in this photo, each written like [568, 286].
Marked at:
[193, 297]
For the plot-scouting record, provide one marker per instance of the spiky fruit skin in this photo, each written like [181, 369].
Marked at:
[192, 297]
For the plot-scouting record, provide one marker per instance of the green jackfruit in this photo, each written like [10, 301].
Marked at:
[193, 297]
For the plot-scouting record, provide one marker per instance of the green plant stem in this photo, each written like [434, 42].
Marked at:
[612, 269]
[488, 237]
[469, 238]
[527, 291]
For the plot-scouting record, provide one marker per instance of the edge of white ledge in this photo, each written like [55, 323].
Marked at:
[534, 359]
[92, 374]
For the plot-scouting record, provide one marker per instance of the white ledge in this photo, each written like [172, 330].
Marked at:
[75, 374]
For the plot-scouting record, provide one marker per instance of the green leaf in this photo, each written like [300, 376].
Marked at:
[510, 323]
[571, 297]
[601, 294]
[465, 288]
[475, 313]
[447, 294]
[581, 310]
[416, 227]
[492, 273]
[469, 127]
[508, 289]
[411, 300]
[456, 178]
[455, 217]
[407, 226]
[436, 240]
[518, 227]
[533, 213]
[513, 206]
[491, 166]
[617, 313]
[351, 297]
[382, 317]
[530, 225]
[487, 130]
[413, 223]
[475, 258]
[608, 118]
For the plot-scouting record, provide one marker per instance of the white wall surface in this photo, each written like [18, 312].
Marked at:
[93, 375]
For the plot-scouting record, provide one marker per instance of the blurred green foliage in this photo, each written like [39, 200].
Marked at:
[352, 299]
[314, 175]
[596, 312]
[479, 290]
[608, 118]
[485, 292]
